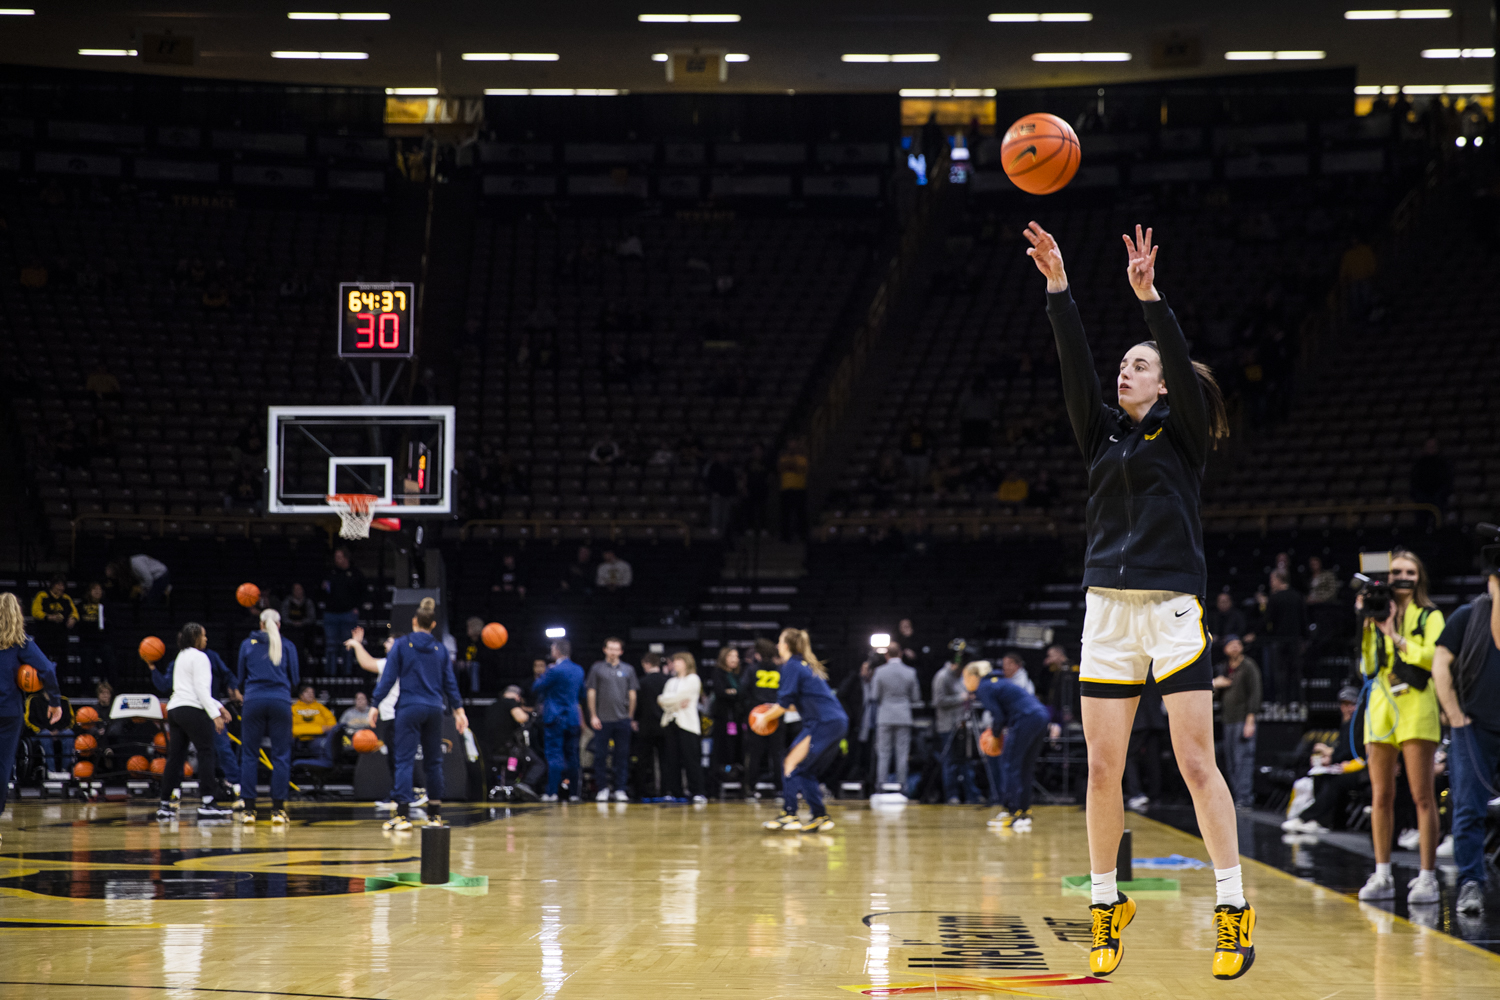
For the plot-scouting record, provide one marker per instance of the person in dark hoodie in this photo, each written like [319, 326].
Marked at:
[1146, 577]
[269, 672]
[421, 664]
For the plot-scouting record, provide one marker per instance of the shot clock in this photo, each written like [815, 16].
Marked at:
[375, 319]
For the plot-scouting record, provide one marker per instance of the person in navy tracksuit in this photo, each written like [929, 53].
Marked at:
[1012, 708]
[422, 665]
[16, 648]
[269, 672]
[804, 683]
[557, 690]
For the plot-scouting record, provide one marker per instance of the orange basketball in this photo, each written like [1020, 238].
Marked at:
[83, 769]
[86, 716]
[159, 765]
[27, 679]
[152, 649]
[759, 723]
[365, 740]
[494, 635]
[187, 769]
[139, 763]
[85, 745]
[1040, 153]
[159, 740]
[991, 745]
[248, 593]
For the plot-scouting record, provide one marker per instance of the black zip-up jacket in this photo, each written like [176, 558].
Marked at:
[1145, 528]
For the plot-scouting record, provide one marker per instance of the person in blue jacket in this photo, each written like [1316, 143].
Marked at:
[16, 648]
[1012, 708]
[422, 665]
[562, 721]
[269, 672]
[804, 684]
[227, 767]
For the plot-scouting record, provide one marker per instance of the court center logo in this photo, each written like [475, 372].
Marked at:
[945, 950]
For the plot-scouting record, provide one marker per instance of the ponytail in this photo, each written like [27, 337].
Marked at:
[270, 620]
[800, 643]
[1218, 411]
[427, 614]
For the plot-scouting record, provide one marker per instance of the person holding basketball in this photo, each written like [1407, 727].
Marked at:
[1017, 710]
[420, 663]
[1145, 575]
[17, 648]
[804, 683]
[268, 673]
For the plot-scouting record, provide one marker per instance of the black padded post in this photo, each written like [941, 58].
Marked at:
[435, 870]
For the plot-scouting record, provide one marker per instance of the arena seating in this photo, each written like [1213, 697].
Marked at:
[202, 315]
[1226, 268]
[670, 337]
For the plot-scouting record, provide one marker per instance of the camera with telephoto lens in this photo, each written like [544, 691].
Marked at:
[1489, 555]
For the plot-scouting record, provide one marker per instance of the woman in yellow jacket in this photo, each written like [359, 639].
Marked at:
[1401, 722]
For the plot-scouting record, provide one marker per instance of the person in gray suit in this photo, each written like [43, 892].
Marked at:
[895, 689]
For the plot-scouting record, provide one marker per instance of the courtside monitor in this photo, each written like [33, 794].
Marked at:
[402, 455]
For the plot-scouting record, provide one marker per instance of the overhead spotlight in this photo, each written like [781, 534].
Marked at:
[411, 91]
[107, 52]
[880, 640]
[557, 632]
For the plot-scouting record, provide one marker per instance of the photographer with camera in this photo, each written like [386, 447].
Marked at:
[1466, 674]
[1401, 627]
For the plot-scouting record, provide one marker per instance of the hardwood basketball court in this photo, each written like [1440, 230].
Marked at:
[642, 901]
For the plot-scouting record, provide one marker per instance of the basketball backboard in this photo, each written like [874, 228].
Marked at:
[401, 454]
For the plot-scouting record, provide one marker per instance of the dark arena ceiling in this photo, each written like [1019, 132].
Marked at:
[772, 47]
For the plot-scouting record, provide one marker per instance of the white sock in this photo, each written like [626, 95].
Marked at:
[1427, 875]
[1229, 887]
[1104, 888]
[1383, 868]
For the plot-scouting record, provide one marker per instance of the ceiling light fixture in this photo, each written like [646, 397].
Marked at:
[1033, 18]
[550, 92]
[898, 57]
[1075, 57]
[736, 57]
[16, 12]
[1266, 55]
[659, 57]
[510, 57]
[411, 91]
[1458, 53]
[107, 52]
[1420, 14]
[312, 15]
[946, 92]
[688, 18]
[297, 54]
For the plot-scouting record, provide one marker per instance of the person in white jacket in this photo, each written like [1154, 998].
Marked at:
[193, 716]
[682, 737]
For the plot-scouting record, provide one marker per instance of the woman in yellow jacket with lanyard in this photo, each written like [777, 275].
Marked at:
[1401, 721]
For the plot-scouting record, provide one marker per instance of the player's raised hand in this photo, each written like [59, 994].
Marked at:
[1141, 268]
[1044, 251]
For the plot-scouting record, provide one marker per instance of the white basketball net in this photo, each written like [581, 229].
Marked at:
[356, 511]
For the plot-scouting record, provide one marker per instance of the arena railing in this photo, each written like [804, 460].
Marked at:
[239, 525]
[997, 524]
[549, 528]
